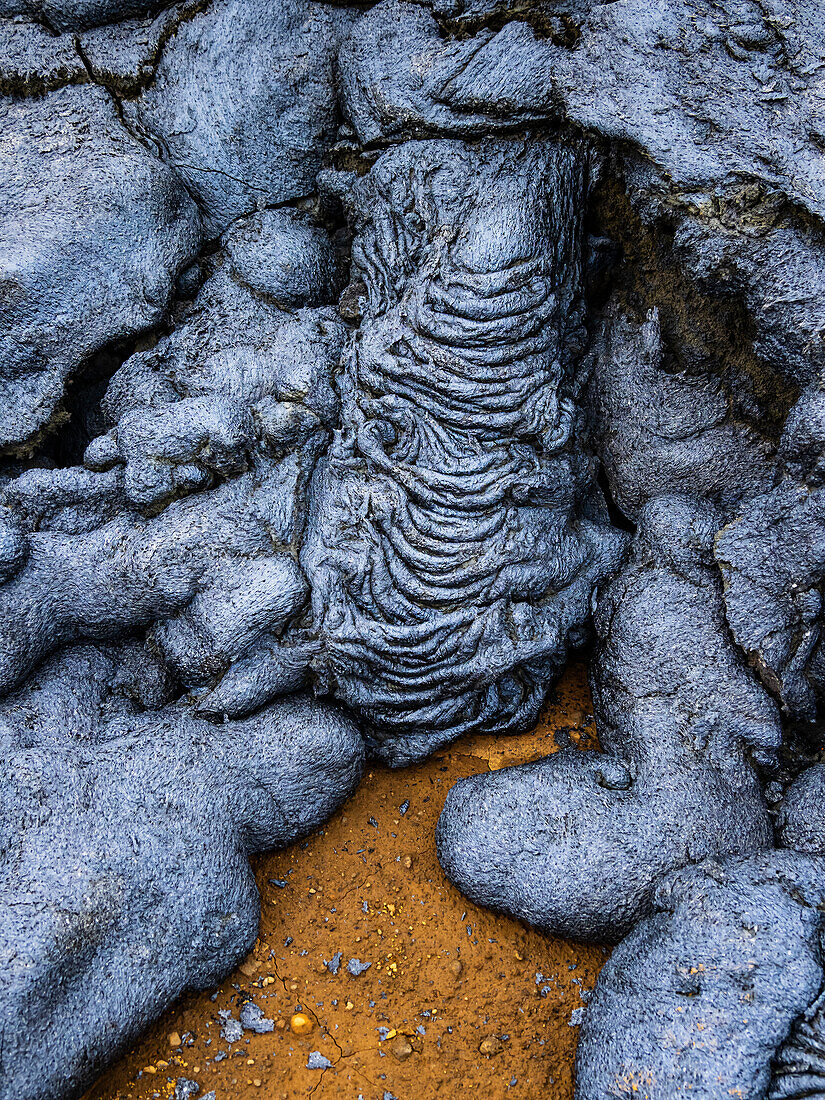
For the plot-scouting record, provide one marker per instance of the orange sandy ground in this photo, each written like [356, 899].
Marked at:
[469, 1001]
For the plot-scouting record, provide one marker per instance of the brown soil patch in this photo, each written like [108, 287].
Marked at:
[455, 999]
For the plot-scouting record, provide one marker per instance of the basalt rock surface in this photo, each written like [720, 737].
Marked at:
[94, 233]
[700, 997]
[379, 357]
[126, 825]
[242, 103]
[576, 843]
[455, 535]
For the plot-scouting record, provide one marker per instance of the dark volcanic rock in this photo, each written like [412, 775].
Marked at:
[123, 866]
[243, 103]
[578, 256]
[708, 93]
[458, 484]
[575, 843]
[236, 404]
[33, 60]
[772, 556]
[801, 823]
[94, 233]
[660, 431]
[697, 1000]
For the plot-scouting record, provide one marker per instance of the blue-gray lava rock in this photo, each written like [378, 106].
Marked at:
[345, 349]
[698, 999]
[575, 843]
[123, 869]
[356, 967]
[801, 821]
[661, 430]
[709, 92]
[237, 402]
[253, 1019]
[455, 532]
[772, 557]
[93, 233]
[242, 102]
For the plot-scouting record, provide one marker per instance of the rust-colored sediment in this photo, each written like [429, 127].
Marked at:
[456, 998]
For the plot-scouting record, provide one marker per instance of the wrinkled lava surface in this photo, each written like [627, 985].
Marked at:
[455, 998]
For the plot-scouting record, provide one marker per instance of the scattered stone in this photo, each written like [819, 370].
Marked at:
[317, 1060]
[491, 1045]
[401, 1049]
[356, 967]
[301, 1024]
[253, 1019]
[333, 965]
[185, 1089]
[231, 1030]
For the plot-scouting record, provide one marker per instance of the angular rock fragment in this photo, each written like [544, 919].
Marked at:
[576, 843]
[253, 1019]
[94, 232]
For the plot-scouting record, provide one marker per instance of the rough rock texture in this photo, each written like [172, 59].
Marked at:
[455, 537]
[672, 78]
[801, 820]
[32, 60]
[748, 241]
[94, 233]
[578, 258]
[243, 104]
[123, 871]
[697, 1000]
[576, 844]
[74, 15]
[242, 387]
[773, 560]
[661, 430]
[772, 557]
